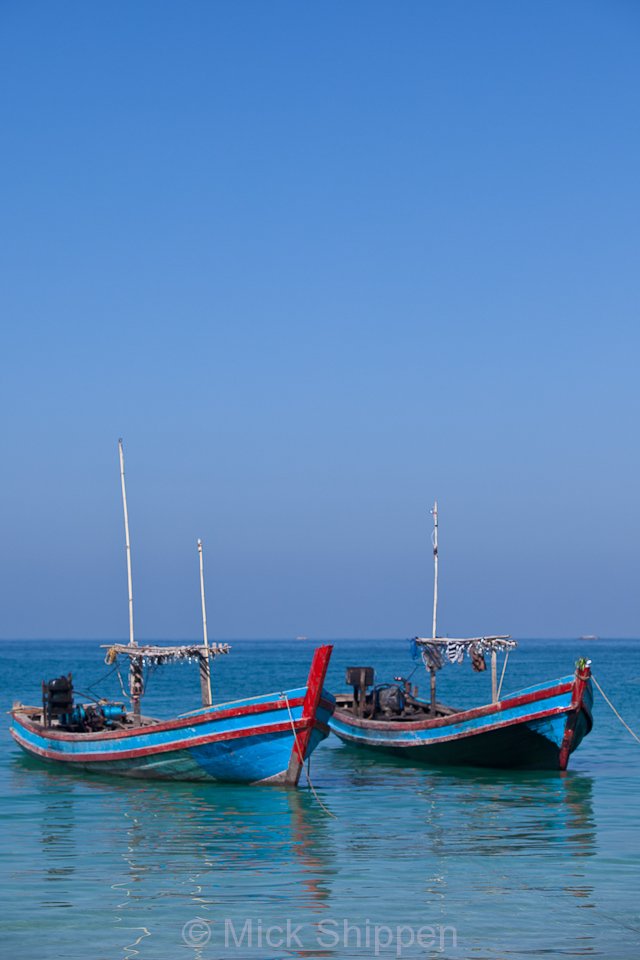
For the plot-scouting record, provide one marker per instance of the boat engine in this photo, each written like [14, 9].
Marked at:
[93, 716]
[390, 699]
[57, 698]
[385, 700]
[58, 704]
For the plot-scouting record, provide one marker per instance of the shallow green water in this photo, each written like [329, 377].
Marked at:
[498, 865]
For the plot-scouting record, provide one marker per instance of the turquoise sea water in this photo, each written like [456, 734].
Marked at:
[412, 862]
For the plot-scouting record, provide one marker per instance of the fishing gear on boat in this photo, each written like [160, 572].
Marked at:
[58, 705]
[155, 656]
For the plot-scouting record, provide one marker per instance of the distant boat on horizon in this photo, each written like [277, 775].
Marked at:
[589, 636]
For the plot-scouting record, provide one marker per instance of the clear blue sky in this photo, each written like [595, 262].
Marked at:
[319, 263]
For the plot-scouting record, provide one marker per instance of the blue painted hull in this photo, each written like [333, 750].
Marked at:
[256, 740]
[536, 728]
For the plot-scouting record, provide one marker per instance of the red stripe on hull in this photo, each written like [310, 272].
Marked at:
[164, 725]
[273, 728]
[456, 718]
[462, 735]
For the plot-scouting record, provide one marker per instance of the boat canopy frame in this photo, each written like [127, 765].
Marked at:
[436, 651]
[154, 655]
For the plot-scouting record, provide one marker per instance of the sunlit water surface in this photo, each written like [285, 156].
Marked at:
[408, 861]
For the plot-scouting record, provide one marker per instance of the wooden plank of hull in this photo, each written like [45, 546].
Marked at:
[536, 729]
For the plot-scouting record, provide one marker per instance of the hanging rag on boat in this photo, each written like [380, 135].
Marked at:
[455, 651]
[431, 656]
[477, 660]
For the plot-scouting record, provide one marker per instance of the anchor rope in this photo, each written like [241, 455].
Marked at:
[623, 722]
[309, 781]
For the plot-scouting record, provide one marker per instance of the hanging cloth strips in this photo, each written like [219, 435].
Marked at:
[431, 656]
[455, 652]
[439, 650]
[477, 660]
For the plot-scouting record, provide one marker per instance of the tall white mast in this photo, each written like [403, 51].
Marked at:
[135, 666]
[127, 542]
[205, 670]
[435, 566]
[204, 608]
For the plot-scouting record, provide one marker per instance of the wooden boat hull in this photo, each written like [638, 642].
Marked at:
[262, 739]
[537, 728]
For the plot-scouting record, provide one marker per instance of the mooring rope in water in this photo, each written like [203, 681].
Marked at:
[300, 754]
[624, 724]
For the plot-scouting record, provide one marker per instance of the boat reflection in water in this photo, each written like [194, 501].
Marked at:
[164, 854]
[479, 850]
[471, 848]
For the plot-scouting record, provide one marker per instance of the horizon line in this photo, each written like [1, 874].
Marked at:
[285, 639]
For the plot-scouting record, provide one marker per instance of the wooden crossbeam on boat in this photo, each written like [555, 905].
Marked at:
[437, 650]
[503, 642]
[156, 655]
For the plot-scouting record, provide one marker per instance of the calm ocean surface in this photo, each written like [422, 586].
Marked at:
[519, 864]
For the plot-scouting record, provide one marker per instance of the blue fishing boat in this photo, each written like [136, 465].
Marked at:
[264, 739]
[536, 728]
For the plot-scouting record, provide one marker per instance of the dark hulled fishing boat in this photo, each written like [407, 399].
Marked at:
[536, 728]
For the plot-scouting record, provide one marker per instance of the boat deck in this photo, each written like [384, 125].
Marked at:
[34, 715]
[412, 710]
